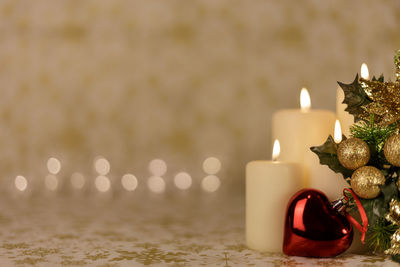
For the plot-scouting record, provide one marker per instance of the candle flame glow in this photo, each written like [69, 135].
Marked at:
[338, 132]
[276, 150]
[364, 71]
[305, 100]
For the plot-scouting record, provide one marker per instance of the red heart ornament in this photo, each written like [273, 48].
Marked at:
[313, 228]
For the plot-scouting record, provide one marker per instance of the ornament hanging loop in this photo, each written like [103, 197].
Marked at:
[339, 204]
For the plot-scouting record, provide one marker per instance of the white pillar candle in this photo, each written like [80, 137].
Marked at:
[298, 130]
[346, 119]
[269, 186]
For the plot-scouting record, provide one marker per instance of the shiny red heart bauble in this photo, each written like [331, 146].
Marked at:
[313, 228]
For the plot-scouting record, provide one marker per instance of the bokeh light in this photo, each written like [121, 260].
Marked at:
[212, 165]
[129, 182]
[102, 183]
[51, 182]
[183, 180]
[210, 183]
[21, 183]
[53, 165]
[157, 167]
[156, 184]
[102, 166]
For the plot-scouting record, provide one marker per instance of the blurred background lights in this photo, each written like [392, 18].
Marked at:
[183, 180]
[21, 183]
[212, 165]
[102, 183]
[156, 184]
[53, 165]
[157, 167]
[210, 183]
[102, 166]
[77, 180]
[51, 182]
[129, 182]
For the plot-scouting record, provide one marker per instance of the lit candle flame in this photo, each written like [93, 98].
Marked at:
[305, 100]
[364, 71]
[276, 150]
[338, 132]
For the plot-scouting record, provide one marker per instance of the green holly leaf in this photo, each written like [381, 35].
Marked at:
[379, 79]
[396, 258]
[389, 191]
[354, 97]
[327, 154]
[378, 207]
[374, 208]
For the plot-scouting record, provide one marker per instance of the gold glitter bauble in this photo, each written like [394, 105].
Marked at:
[394, 244]
[394, 212]
[353, 153]
[392, 150]
[365, 181]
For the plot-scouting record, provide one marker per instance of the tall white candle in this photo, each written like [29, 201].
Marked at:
[298, 130]
[346, 119]
[269, 186]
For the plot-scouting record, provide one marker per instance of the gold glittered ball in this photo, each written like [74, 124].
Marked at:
[365, 181]
[392, 150]
[353, 153]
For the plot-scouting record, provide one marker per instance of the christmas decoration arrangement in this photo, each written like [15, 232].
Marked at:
[369, 160]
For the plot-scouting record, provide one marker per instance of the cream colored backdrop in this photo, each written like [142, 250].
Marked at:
[178, 80]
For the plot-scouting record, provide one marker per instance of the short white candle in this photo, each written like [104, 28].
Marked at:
[346, 119]
[269, 186]
[298, 130]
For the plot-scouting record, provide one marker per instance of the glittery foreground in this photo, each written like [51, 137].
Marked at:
[173, 231]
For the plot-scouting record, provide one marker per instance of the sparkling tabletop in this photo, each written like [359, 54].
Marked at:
[170, 230]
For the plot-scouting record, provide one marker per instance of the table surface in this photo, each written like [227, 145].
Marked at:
[206, 230]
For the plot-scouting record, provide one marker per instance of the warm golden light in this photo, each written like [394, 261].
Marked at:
[212, 165]
[156, 184]
[337, 136]
[183, 180]
[53, 165]
[305, 100]
[21, 183]
[51, 182]
[158, 167]
[129, 182]
[211, 183]
[276, 150]
[102, 166]
[364, 71]
[102, 183]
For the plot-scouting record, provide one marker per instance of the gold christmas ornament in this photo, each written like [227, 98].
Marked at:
[365, 181]
[394, 212]
[353, 153]
[392, 150]
[395, 244]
